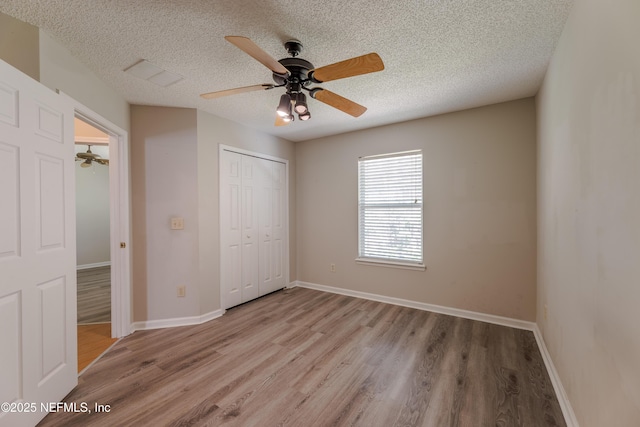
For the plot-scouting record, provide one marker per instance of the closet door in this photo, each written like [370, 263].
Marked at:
[239, 218]
[251, 178]
[253, 250]
[280, 245]
[230, 228]
[272, 223]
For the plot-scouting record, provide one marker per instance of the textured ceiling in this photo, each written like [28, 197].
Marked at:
[440, 55]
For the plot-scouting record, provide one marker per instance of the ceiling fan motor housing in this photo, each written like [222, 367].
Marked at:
[298, 68]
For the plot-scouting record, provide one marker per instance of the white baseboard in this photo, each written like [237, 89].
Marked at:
[473, 315]
[565, 405]
[94, 265]
[178, 321]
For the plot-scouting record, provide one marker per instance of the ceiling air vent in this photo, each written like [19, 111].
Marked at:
[145, 70]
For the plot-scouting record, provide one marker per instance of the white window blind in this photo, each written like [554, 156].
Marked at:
[390, 207]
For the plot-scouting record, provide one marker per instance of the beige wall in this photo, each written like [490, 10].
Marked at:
[174, 158]
[479, 215]
[60, 70]
[164, 150]
[19, 45]
[589, 211]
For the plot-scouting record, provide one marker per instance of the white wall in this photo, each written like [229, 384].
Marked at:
[92, 210]
[479, 214]
[589, 211]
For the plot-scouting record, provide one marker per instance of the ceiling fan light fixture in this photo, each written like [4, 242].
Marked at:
[301, 103]
[288, 118]
[284, 107]
[85, 164]
[304, 117]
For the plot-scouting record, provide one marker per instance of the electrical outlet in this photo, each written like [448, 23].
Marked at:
[182, 291]
[546, 312]
[332, 268]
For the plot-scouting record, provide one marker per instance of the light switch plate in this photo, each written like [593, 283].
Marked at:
[177, 223]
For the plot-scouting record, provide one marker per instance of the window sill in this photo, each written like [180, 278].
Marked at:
[391, 264]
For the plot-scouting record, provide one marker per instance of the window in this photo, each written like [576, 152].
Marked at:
[390, 209]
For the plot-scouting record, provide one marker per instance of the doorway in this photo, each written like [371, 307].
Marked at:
[93, 259]
[109, 142]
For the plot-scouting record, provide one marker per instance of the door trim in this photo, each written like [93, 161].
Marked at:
[221, 148]
[119, 216]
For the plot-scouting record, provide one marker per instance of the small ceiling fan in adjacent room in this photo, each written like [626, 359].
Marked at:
[88, 158]
[297, 75]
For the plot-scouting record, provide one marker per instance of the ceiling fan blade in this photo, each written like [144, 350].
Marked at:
[102, 161]
[337, 101]
[253, 50]
[280, 121]
[359, 65]
[221, 93]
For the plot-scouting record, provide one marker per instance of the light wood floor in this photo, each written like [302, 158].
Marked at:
[94, 295]
[93, 340]
[306, 358]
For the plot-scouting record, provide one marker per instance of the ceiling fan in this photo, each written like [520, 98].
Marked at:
[89, 157]
[297, 74]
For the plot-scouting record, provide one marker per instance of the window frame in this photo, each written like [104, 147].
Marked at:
[391, 262]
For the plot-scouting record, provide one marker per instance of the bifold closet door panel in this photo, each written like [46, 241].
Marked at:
[231, 228]
[278, 191]
[272, 220]
[252, 176]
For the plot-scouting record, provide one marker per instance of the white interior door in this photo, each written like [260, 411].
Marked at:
[37, 246]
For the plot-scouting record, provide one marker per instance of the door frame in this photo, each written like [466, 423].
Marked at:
[221, 148]
[119, 216]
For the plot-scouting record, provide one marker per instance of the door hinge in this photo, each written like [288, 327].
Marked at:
[123, 245]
